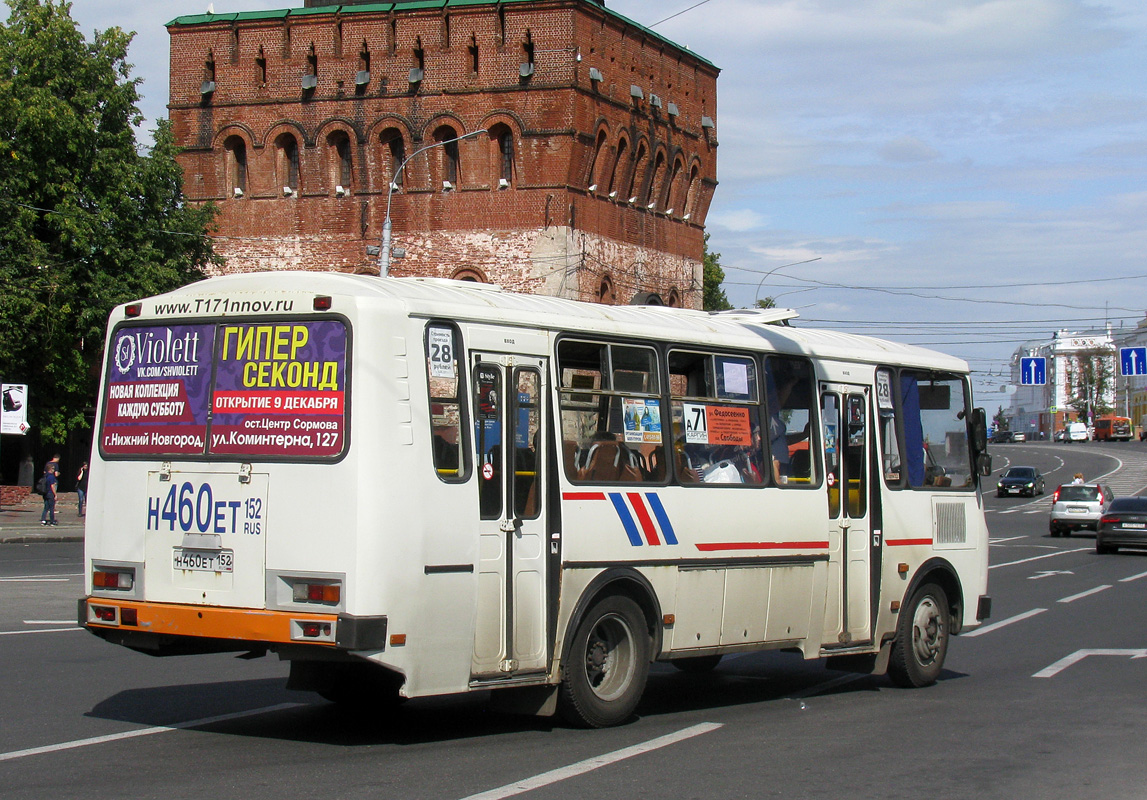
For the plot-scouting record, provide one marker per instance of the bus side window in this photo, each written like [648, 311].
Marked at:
[444, 389]
[789, 400]
[935, 413]
[716, 418]
[611, 413]
[890, 459]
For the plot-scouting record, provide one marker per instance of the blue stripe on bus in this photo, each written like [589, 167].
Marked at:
[662, 518]
[626, 518]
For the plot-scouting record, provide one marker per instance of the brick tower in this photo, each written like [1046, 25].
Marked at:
[588, 170]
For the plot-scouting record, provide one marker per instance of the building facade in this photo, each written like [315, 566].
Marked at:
[1080, 382]
[586, 171]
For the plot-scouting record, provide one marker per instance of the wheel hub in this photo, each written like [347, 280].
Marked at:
[927, 631]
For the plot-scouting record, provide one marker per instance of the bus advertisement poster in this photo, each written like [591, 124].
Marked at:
[157, 390]
[280, 389]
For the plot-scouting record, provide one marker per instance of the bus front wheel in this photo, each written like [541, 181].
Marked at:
[607, 665]
[921, 638]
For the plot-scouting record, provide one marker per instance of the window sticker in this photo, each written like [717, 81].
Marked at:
[642, 420]
[736, 376]
[440, 347]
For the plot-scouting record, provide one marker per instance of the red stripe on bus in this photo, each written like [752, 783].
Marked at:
[711, 546]
[583, 495]
[903, 542]
[638, 504]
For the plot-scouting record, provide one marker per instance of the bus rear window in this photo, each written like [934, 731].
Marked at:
[243, 389]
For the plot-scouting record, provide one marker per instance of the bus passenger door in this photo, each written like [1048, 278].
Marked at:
[847, 474]
[510, 626]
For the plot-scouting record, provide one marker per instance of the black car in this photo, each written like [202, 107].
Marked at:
[1002, 436]
[1123, 524]
[1020, 480]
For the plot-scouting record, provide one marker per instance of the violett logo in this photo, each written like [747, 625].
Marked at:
[158, 353]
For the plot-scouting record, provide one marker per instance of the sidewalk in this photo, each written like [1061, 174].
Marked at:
[21, 522]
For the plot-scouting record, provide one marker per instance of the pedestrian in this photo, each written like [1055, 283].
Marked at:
[82, 488]
[51, 481]
[54, 465]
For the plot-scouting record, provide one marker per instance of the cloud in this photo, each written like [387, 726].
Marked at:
[739, 219]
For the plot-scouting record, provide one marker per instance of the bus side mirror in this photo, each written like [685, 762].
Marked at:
[979, 430]
[984, 464]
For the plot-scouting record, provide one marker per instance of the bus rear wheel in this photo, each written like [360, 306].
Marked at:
[921, 638]
[607, 665]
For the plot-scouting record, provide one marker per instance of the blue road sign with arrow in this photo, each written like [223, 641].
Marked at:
[1133, 360]
[1033, 371]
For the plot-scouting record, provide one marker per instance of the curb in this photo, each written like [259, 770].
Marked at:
[30, 538]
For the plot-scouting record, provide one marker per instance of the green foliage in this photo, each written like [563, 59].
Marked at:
[713, 296]
[1000, 420]
[89, 220]
[1091, 380]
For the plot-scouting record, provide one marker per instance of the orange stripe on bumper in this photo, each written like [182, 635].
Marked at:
[211, 622]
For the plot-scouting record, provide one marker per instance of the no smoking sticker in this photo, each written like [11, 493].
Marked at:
[487, 471]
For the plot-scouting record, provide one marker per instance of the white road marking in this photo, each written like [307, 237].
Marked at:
[54, 575]
[49, 622]
[1088, 593]
[1079, 655]
[590, 764]
[34, 580]
[1037, 558]
[1008, 539]
[1133, 577]
[1047, 573]
[40, 630]
[1003, 623]
[113, 737]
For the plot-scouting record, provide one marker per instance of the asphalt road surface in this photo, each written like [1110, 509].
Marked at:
[1044, 702]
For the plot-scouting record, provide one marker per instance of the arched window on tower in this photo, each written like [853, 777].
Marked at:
[503, 137]
[235, 153]
[674, 189]
[691, 193]
[605, 292]
[451, 168]
[392, 140]
[342, 162]
[597, 165]
[635, 187]
[616, 175]
[655, 183]
[287, 163]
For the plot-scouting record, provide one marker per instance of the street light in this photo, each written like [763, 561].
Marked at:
[384, 251]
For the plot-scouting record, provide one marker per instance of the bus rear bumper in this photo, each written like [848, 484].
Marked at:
[168, 628]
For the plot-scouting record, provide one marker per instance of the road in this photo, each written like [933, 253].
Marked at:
[1046, 702]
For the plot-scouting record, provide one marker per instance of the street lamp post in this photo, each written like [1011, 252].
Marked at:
[384, 250]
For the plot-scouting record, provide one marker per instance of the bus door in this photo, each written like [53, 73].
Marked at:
[509, 413]
[847, 474]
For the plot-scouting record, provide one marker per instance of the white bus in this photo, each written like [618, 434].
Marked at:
[411, 487]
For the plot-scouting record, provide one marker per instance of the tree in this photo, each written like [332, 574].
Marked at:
[89, 220]
[1091, 382]
[1001, 420]
[713, 296]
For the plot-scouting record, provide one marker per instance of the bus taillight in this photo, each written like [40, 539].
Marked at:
[120, 580]
[329, 594]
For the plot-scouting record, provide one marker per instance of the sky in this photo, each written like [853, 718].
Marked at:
[965, 175]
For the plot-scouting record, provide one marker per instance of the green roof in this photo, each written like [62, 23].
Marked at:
[406, 5]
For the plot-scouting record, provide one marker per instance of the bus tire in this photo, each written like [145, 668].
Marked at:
[605, 671]
[697, 665]
[921, 639]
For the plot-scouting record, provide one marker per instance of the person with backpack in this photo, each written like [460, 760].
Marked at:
[49, 482]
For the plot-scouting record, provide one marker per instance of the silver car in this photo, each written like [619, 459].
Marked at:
[1078, 506]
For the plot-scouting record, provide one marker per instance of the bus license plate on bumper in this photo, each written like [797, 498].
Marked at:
[204, 560]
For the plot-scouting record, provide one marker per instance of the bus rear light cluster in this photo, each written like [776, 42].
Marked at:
[313, 630]
[118, 580]
[104, 614]
[327, 594]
